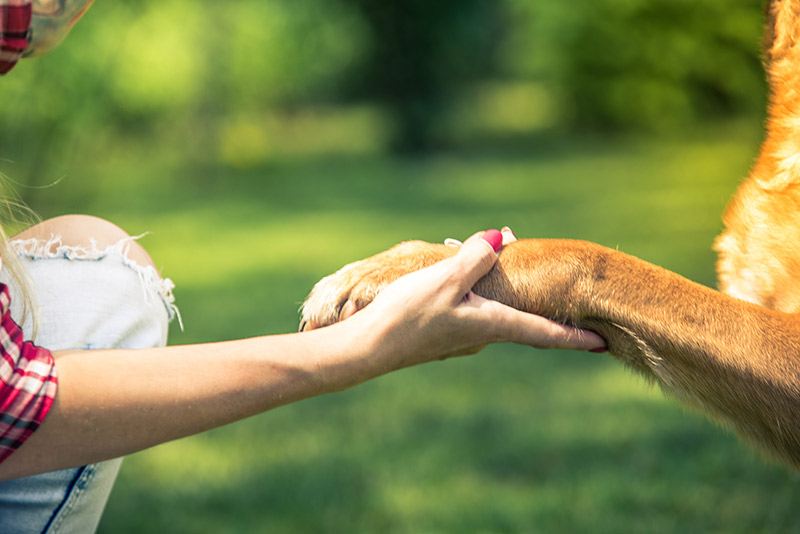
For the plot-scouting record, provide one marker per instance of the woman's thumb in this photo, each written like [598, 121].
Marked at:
[477, 256]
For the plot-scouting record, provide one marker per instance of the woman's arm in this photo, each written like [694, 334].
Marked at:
[114, 402]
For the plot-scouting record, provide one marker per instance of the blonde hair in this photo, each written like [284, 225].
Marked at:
[15, 216]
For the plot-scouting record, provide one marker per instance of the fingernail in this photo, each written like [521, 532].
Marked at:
[506, 229]
[494, 238]
[599, 350]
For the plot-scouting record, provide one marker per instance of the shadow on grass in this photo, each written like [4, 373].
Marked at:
[481, 470]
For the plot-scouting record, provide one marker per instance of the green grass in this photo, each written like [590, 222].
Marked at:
[512, 440]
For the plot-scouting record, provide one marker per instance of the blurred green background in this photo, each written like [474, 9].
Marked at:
[253, 139]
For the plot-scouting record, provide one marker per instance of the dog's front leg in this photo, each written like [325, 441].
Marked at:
[736, 361]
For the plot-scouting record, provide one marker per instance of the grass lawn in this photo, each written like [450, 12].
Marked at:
[512, 440]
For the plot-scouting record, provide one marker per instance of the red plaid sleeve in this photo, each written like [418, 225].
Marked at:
[15, 23]
[28, 382]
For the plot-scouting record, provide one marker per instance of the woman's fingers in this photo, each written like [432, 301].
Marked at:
[473, 261]
[444, 291]
[508, 235]
[516, 326]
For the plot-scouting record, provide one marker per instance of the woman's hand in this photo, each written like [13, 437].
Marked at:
[433, 313]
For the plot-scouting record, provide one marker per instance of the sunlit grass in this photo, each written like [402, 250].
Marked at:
[513, 440]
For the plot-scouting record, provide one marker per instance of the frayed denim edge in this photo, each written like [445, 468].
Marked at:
[53, 248]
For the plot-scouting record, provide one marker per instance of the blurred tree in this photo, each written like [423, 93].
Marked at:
[623, 65]
[660, 65]
[169, 73]
[418, 53]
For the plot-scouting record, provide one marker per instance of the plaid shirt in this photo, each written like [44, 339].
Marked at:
[28, 382]
[15, 24]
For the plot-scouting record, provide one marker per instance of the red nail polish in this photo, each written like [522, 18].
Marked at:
[494, 238]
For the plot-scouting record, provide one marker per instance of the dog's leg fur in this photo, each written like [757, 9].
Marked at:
[737, 360]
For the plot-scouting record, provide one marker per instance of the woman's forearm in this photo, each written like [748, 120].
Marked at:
[115, 402]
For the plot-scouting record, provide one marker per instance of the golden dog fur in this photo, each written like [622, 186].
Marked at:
[734, 354]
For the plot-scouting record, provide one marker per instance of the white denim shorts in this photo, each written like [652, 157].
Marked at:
[84, 299]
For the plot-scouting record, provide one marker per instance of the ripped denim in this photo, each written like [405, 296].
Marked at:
[85, 298]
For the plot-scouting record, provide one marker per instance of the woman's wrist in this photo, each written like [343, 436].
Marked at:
[345, 354]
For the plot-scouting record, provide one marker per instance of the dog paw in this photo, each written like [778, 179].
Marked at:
[352, 287]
